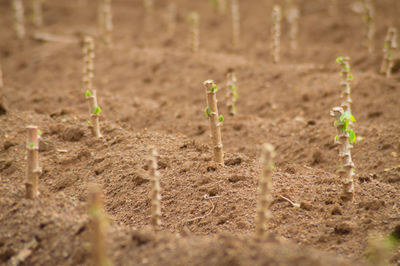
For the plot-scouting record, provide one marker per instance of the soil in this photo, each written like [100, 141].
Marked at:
[150, 89]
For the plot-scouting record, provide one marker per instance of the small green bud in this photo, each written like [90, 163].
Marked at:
[39, 132]
[221, 118]
[339, 59]
[208, 111]
[214, 88]
[88, 93]
[97, 110]
[31, 144]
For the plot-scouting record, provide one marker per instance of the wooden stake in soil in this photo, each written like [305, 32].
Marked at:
[37, 13]
[276, 33]
[195, 32]
[264, 190]
[344, 139]
[347, 78]
[369, 19]
[155, 190]
[88, 66]
[171, 19]
[94, 112]
[98, 227]
[215, 120]
[33, 170]
[292, 18]
[232, 94]
[388, 49]
[18, 18]
[235, 23]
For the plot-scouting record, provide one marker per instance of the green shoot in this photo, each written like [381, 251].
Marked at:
[214, 88]
[89, 123]
[345, 119]
[88, 93]
[208, 111]
[339, 59]
[351, 77]
[97, 110]
[31, 144]
[221, 118]
[39, 132]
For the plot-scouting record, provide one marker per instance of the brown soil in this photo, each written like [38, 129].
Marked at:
[150, 90]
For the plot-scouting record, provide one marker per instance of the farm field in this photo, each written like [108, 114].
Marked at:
[150, 89]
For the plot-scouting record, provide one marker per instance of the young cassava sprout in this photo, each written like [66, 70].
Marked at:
[276, 33]
[33, 169]
[94, 112]
[195, 32]
[264, 190]
[155, 194]
[37, 13]
[98, 226]
[235, 23]
[369, 20]
[347, 78]
[232, 91]
[19, 26]
[292, 17]
[215, 120]
[388, 50]
[345, 138]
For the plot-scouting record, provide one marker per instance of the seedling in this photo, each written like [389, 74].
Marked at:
[195, 32]
[235, 23]
[264, 190]
[94, 111]
[369, 20]
[88, 64]
[345, 138]
[388, 50]
[19, 18]
[232, 91]
[33, 169]
[98, 227]
[171, 19]
[276, 33]
[215, 120]
[37, 13]
[155, 195]
[292, 18]
[347, 78]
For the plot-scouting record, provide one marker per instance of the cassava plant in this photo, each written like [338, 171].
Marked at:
[94, 112]
[235, 9]
[108, 25]
[195, 32]
[88, 63]
[264, 190]
[98, 223]
[171, 18]
[37, 13]
[276, 33]
[215, 120]
[369, 19]
[292, 17]
[155, 195]
[33, 169]
[232, 91]
[19, 26]
[347, 78]
[388, 49]
[345, 138]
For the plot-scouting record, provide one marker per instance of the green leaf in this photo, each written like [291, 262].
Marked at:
[97, 110]
[31, 144]
[214, 88]
[89, 123]
[235, 95]
[351, 77]
[352, 136]
[352, 119]
[347, 67]
[345, 125]
[389, 54]
[233, 88]
[339, 59]
[39, 132]
[335, 123]
[336, 138]
[339, 166]
[88, 93]
[208, 111]
[221, 118]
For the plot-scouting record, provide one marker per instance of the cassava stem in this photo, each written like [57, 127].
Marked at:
[33, 170]
[98, 227]
[292, 18]
[155, 195]
[388, 50]
[232, 94]
[18, 18]
[37, 13]
[195, 32]
[94, 112]
[347, 77]
[235, 23]
[369, 19]
[264, 190]
[88, 63]
[215, 120]
[276, 33]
